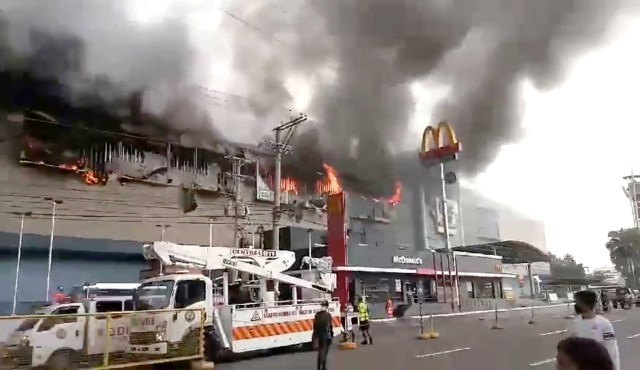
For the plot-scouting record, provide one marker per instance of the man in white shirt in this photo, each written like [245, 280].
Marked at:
[590, 325]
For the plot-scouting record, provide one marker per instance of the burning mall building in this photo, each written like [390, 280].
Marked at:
[120, 177]
[119, 190]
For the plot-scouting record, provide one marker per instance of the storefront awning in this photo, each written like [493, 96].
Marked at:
[569, 281]
[511, 251]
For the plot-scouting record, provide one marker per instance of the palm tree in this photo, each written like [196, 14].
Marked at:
[624, 251]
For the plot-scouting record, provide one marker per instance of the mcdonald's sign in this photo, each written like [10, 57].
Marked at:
[435, 148]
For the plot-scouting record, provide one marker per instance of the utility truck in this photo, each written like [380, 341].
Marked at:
[244, 322]
[70, 335]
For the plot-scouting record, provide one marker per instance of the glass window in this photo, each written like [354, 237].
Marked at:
[363, 237]
[154, 295]
[189, 292]
[109, 306]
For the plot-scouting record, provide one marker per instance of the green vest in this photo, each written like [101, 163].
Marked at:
[363, 311]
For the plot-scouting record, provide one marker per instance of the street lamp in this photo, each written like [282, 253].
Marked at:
[54, 203]
[15, 285]
[211, 219]
[164, 228]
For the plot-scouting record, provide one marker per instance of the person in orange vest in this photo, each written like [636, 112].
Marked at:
[59, 296]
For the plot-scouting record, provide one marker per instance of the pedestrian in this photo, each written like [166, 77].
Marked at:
[604, 297]
[363, 317]
[322, 334]
[582, 354]
[589, 325]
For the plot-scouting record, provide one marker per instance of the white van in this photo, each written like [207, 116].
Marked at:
[62, 340]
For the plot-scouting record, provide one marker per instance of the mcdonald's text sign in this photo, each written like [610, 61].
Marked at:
[434, 146]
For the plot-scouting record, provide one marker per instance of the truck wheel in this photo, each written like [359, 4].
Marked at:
[63, 360]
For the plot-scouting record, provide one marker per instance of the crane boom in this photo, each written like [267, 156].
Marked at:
[267, 264]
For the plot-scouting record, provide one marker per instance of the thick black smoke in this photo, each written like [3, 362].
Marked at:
[362, 57]
[93, 55]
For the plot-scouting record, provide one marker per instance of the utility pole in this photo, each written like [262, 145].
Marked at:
[283, 134]
[236, 175]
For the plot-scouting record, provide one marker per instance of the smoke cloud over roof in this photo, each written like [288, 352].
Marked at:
[360, 59]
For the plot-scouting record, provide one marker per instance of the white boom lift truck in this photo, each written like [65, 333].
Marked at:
[229, 328]
[71, 335]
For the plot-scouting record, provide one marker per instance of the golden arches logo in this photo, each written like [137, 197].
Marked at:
[441, 148]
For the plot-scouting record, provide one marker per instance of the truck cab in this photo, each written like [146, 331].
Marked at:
[68, 334]
[174, 311]
[178, 305]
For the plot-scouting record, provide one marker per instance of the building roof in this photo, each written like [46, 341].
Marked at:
[569, 281]
[511, 251]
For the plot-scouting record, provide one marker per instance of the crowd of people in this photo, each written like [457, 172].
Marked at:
[591, 344]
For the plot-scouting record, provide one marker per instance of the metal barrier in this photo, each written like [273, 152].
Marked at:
[96, 341]
[477, 304]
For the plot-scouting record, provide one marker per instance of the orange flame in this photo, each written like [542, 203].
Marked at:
[289, 185]
[395, 199]
[332, 184]
[89, 176]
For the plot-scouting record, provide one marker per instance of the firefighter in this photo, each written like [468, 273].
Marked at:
[363, 316]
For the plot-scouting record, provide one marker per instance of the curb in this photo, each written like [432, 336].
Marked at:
[454, 314]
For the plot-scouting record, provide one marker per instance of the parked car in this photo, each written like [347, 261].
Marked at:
[622, 297]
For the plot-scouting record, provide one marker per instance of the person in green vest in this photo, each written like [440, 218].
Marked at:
[363, 316]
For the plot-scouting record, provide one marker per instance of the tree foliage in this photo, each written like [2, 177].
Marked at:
[566, 267]
[624, 250]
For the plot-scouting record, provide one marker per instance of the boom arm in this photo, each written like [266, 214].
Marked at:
[269, 264]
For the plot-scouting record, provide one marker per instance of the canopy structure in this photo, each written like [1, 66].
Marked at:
[569, 281]
[511, 251]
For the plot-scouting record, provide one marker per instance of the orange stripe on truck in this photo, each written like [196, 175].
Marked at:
[272, 330]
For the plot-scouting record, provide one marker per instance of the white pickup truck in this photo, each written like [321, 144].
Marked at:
[64, 339]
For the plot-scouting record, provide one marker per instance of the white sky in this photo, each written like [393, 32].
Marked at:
[581, 137]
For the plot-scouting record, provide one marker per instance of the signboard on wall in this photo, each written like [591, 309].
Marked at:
[402, 260]
[452, 213]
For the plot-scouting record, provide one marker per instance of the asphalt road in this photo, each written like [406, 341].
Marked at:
[466, 342]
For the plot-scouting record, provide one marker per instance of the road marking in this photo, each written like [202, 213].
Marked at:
[615, 321]
[553, 332]
[444, 352]
[633, 336]
[542, 362]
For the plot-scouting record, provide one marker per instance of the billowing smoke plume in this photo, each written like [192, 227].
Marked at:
[362, 57]
[102, 58]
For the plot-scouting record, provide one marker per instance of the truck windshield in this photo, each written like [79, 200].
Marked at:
[154, 295]
[29, 324]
